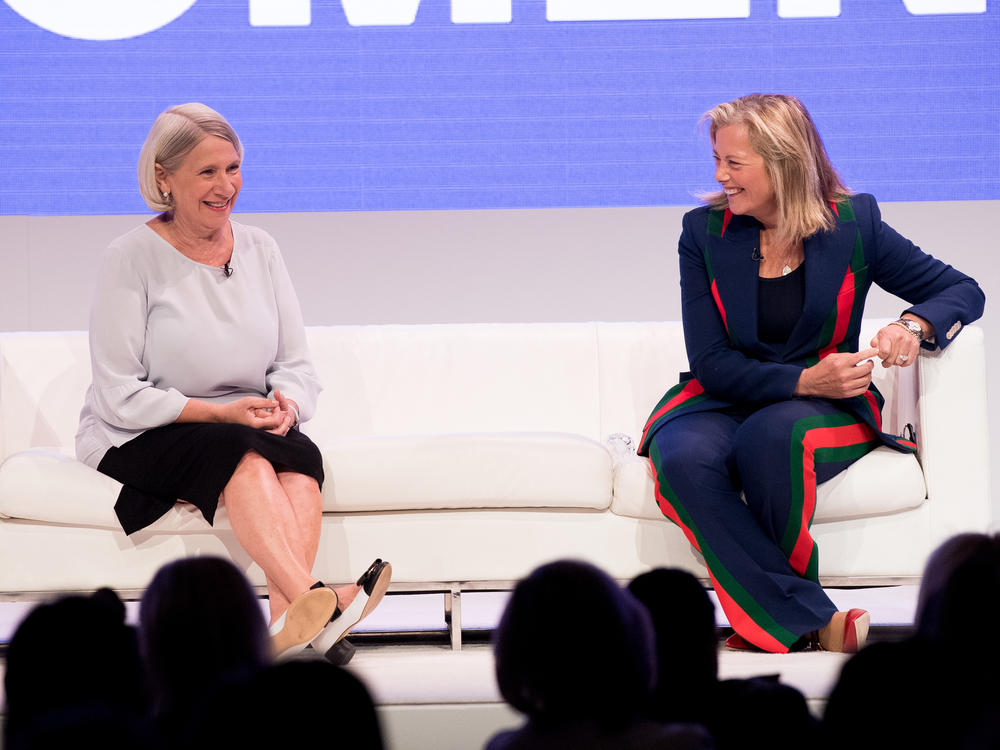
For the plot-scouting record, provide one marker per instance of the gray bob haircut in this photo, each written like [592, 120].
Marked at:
[174, 134]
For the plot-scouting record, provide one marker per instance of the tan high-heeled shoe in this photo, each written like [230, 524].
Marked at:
[846, 632]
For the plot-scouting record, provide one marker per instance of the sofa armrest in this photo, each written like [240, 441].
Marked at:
[953, 436]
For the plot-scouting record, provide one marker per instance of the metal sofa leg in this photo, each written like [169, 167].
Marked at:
[453, 616]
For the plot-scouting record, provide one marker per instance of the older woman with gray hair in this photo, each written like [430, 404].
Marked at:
[202, 374]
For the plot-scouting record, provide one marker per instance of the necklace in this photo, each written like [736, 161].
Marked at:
[785, 269]
[790, 253]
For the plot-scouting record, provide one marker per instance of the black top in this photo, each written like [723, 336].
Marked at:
[779, 305]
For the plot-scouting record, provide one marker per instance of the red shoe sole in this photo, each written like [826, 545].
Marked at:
[856, 626]
[737, 642]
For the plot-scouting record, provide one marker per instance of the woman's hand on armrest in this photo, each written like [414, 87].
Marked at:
[897, 346]
[838, 375]
[252, 411]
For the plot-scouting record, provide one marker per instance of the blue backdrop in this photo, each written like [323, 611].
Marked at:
[529, 113]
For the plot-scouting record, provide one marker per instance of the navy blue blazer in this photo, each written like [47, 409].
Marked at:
[730, 365]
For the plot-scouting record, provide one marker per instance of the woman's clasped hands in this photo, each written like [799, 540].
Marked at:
[277, 415]
[286, 412]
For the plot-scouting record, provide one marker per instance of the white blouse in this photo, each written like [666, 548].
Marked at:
[164, 328]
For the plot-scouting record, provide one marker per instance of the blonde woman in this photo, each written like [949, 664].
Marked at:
[774, 273]
[201, 376]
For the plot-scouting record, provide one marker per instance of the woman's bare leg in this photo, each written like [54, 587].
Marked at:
[307, 505]
[266, 526]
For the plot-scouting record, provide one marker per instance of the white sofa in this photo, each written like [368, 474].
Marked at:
[468, 454]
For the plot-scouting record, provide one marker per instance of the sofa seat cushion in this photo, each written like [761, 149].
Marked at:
[879, 483]
[454, 471]
[413, 472]
[48, 486]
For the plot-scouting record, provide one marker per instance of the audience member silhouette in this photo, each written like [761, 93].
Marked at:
[937, 688]
[739, 713]
[201, 633]
[683, 620]
[286, 696]
[959, 591]
[576, 654]
[72, 666]
[761, 712]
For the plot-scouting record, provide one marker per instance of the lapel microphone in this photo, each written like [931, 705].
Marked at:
[227, 269]
[756, 256]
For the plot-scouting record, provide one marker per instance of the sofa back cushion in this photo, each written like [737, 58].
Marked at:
[639, 362]
[43, 379]
[458, 378]
[589, 379]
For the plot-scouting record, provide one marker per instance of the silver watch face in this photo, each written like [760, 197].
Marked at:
[912, 326]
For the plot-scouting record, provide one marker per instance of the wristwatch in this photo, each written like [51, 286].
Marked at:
[910, 325]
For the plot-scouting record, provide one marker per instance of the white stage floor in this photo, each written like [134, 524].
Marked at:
[433, 697]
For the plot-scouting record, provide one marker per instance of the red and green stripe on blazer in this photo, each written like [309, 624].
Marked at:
[846, 316]
[849, 307]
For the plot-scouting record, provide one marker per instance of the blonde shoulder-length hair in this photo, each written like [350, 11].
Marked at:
[174, 134]
[780, 129]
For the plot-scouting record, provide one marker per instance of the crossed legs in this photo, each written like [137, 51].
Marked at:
[760, 555]
[276, 516]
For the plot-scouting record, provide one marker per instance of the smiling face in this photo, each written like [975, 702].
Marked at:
[741, 172]
[205, 185]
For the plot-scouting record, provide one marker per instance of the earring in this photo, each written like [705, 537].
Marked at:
[166, 197]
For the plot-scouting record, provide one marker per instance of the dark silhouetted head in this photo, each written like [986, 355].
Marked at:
[200, 626]
[573, 644]
[960, 590]
[686, 643]
[298, 698]
[74, 655]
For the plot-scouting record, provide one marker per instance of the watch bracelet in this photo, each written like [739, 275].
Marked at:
[911, 327]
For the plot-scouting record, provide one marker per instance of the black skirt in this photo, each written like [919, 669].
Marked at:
[194, 462]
